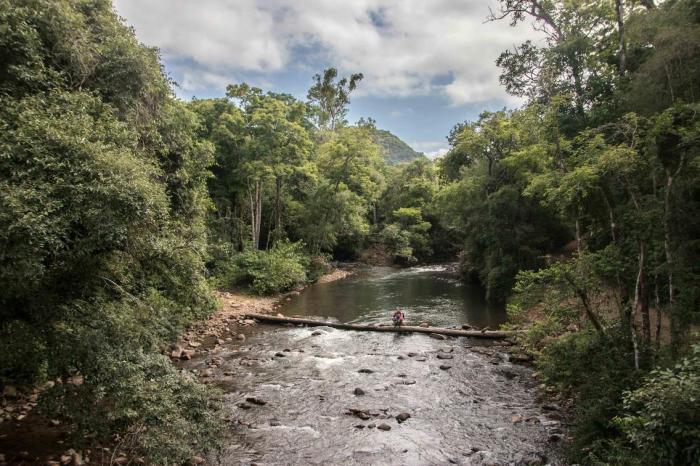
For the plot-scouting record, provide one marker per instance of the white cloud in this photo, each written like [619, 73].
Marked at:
[402, 46]
[436, 153]
[432, 149]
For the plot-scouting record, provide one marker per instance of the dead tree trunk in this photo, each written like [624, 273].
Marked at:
[488, 334]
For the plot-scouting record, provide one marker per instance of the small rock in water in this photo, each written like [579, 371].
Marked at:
[256, 401]
[365, 371]
[359, 426]
[371, 426]
[274, 423]
[424, 325]
[358, 392]
[421, 359]
[401, 357]
[438, 336]
[280, 355]
[409, 382]
[411, 354]
[316, 333]
[364, 415]
[445, 367]
[516, 419]
[402, 417]
[244, 406]
[444, 356]
[466, 327]
[384, 427]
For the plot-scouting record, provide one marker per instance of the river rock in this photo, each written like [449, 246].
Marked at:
[364, 415]
[274, 423]
[409, 382]
[401, 358]
[248, 321]
[520, 357]
[421, 359]
[445, 367]
[240, 337]
[444, 356]
[424, 325]
[467, 327]
[365, 371]
[384, 427]
[411, 354]
[186, 355]
[438, 336]
[358, 392]
[256, 401]
[516, 419]
[280, 355]
[402, 417]
[194, 344]
[316, 333]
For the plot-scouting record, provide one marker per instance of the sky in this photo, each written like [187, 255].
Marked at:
[428, 64]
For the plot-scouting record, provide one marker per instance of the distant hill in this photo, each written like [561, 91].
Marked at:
[395, 150]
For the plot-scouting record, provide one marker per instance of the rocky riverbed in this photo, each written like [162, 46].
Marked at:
[299, 395]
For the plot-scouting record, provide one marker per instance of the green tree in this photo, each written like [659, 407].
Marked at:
[329, 99]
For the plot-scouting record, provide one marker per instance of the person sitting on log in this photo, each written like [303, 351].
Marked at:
[398, 318]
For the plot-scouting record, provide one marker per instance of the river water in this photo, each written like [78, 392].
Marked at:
[467, 403]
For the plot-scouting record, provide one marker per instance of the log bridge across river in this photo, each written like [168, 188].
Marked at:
[451, 332]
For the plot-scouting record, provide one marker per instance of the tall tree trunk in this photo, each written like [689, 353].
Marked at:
[641, 295]
[278, 209]
[622, 47]
[657, 305]
[255, 195]
[673, 318]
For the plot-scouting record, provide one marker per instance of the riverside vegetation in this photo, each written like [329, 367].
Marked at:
[122, 207]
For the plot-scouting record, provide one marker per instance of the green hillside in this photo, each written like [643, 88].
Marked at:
[395, 150]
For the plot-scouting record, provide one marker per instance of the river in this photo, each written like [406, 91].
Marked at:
[320, 395]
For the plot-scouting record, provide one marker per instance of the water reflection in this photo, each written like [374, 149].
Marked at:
[431, 294]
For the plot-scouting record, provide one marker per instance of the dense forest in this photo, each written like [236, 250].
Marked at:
[123, 207]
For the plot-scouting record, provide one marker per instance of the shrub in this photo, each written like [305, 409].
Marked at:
[142, 402]
[662, 416]
[278, 269]
[595, 370]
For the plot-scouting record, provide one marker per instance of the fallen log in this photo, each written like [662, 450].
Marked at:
[452, 332]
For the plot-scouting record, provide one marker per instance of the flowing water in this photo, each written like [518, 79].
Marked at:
[467, 403]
